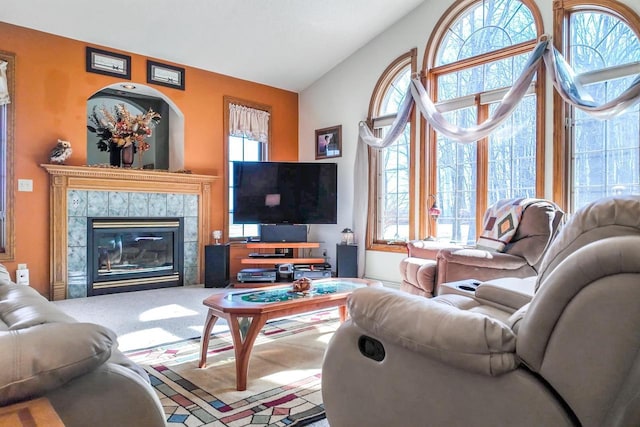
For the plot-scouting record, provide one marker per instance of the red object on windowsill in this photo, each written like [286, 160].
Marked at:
[434, 211]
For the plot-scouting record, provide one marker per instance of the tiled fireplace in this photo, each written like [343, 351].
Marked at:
[82, 204]
[81, 194]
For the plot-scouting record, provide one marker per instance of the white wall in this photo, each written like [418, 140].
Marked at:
[342, 97]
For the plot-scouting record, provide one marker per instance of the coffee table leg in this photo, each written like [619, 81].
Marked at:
[342, 311]
[243, 347]
[206, 334]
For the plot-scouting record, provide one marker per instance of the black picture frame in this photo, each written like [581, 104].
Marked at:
[165, 75]
[108, 63]
[329, 142]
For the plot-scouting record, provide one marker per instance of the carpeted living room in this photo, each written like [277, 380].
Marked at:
[320, 213]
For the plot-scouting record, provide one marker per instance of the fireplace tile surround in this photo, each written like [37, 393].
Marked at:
[80, 192]
[83, 204]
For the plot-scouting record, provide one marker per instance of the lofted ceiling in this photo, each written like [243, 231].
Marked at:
[287, 44]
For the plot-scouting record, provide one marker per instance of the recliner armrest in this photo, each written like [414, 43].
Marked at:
[460, 338]
[428, 249]
[511, 292]
[481, 258]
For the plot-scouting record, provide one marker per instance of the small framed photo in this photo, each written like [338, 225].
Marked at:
[108, 63]
[329, 142]
[165, 75]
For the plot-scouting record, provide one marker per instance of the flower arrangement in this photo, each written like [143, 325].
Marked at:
[120, 128]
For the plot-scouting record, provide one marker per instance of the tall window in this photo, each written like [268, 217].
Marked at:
[7, 61]
[472, 62]
[603, 47]
[391, 189]
[248, 130]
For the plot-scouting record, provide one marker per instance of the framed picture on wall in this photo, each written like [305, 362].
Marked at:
[165, 75]
[329, 142]
[109, 63]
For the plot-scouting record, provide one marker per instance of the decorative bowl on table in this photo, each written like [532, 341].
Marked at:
[302, 285]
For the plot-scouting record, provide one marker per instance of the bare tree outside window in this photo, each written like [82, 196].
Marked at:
[605, 154]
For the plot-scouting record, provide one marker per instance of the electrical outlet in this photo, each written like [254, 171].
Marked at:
[22, 277]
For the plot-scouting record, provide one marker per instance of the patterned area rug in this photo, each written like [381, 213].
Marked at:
[283, 385]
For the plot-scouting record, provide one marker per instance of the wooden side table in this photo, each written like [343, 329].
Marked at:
[32, 413]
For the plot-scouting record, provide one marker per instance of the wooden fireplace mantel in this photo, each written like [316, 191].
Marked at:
[64, 178]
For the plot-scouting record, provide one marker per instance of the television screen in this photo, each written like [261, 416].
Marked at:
[284, 193]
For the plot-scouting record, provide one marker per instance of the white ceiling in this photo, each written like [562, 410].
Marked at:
[287, 44]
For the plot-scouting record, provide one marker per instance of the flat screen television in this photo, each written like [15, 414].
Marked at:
[284, 193]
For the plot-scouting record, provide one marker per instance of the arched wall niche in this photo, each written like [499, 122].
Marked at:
[169, 134]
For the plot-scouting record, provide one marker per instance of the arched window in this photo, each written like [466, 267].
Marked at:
[598, 158]
[471, 61]
[391, 189]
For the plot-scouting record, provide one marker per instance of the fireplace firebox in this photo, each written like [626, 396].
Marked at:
[131, 254]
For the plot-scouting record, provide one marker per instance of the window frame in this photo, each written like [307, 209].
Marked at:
[428, 141]
[563, 113]
[225, 134]
[7, 253]
[386, 78]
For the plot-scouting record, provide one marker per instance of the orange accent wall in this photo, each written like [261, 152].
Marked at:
[51, 91]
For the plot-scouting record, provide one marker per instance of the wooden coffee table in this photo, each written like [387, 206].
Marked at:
[247, 311]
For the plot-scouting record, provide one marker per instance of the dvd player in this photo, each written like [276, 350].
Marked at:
[323, 266]
[311, 274]
[265, 255]
[257, 275]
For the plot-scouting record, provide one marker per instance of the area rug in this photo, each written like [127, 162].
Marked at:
[283, 385]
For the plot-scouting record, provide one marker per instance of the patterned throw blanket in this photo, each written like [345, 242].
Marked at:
[501, 222]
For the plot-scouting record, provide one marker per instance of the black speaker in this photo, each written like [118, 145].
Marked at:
[346, 260]
[216, 266]
[283, 233]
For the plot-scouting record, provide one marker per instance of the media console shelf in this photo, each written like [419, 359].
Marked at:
[283, 260]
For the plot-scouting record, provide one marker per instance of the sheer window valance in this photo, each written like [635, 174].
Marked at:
[4, 86]
[248, 122]
[564, 80]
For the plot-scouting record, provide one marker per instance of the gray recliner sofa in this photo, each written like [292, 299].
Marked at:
[76, 366]
[568, 357]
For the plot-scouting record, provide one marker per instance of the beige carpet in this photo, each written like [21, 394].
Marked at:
[147, 318]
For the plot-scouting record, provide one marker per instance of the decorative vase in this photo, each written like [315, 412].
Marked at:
[114, 155]
[127, 156]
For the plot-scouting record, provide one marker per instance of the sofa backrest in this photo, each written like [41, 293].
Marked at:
[22, 306]
[606, 217]
[538, 227]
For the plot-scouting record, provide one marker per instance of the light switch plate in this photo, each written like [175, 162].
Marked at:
[25, 185]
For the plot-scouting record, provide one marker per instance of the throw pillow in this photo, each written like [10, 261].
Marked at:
[41, 358]
[500, 223]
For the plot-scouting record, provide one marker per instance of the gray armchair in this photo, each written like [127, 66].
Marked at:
[569, 357]
[430, 264]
